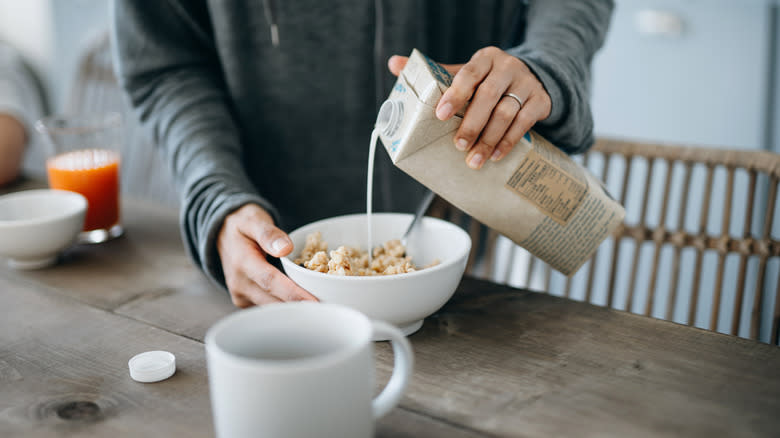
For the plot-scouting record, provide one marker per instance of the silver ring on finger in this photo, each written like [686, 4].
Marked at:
[515, 97]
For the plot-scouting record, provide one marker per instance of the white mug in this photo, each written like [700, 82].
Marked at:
[301, 369]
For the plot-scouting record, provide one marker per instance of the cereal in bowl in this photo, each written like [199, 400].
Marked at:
[388, 259]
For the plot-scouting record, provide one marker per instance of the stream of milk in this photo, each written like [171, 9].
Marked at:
[370, 191]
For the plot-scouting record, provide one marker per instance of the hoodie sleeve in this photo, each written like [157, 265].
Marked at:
[167, 65]
[561, 38]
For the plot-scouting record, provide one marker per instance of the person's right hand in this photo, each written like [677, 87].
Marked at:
[246, 237]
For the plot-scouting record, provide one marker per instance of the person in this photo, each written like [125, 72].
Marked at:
[21, 104]
[264, 109]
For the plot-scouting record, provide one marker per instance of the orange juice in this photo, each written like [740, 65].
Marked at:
[95, 174]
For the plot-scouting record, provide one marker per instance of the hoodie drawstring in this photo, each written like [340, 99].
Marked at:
[270, 15]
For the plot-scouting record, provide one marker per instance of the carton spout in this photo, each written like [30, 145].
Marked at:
[390, 116]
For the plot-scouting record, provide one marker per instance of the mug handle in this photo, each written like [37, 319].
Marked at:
[402, 369]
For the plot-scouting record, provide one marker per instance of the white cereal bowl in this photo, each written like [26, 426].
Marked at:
[36, 225]
[402, 299]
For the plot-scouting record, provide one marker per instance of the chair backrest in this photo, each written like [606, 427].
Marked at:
[95, 89]
[699, 245]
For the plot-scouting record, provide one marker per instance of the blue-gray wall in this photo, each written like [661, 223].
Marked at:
[75, 23]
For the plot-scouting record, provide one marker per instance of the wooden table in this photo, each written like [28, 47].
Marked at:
[495, 361]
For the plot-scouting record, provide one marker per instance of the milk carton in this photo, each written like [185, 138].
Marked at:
[536, 195]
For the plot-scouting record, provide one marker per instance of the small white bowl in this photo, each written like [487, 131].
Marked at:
[403, 299]
[36, 225]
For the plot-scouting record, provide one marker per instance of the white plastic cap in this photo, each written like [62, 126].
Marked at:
[152, 366]
[390, 116]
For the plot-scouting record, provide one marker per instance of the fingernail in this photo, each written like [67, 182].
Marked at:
[280, 244]
[475, 161]
[443, 111]
[496, 155]
[461, 144]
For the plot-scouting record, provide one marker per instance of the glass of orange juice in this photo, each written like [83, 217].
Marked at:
[85, 158]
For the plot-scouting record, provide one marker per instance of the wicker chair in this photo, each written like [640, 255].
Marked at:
[699, 245]
[95, 90]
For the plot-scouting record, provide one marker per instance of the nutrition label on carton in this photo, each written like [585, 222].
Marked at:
[554, 191]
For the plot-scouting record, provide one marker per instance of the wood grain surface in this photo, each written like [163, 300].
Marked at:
[494, 362]
[63, 372]
[517, 363]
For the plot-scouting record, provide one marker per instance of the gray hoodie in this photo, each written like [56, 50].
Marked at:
[241, 119]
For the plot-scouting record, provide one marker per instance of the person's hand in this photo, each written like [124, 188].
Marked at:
[246, 237]
[12, 143]
[494, 121]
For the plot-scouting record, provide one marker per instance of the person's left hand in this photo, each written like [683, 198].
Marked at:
[494, 121]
